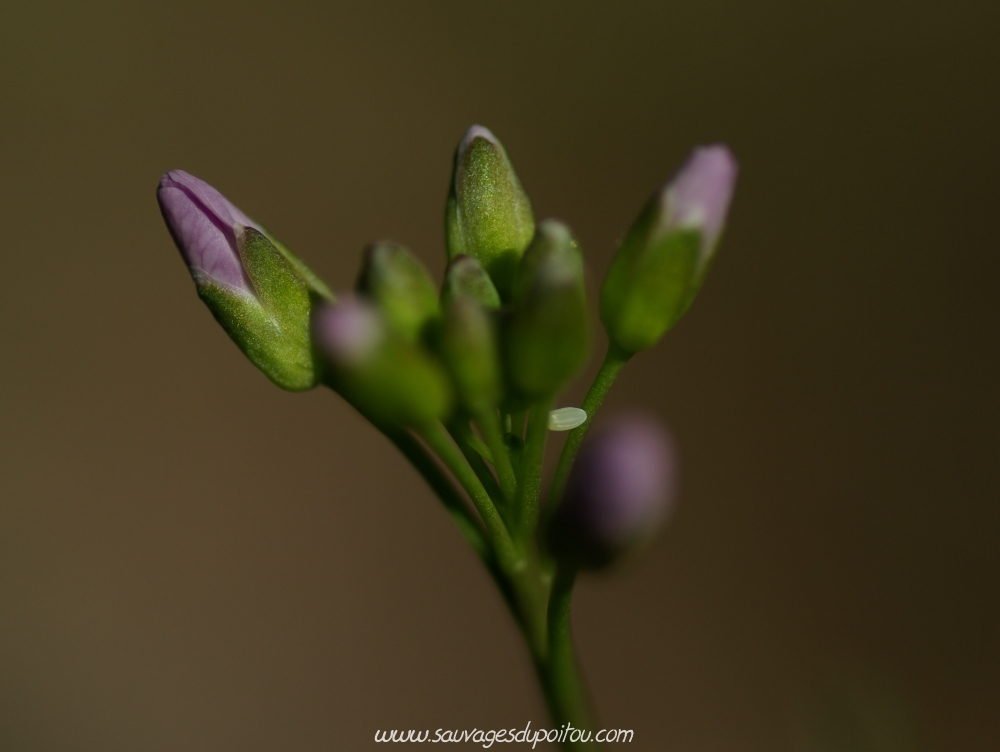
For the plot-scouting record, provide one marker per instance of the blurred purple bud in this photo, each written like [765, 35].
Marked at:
[698, 197]
[385, 375]
[205, 226]
[349, 331]
[620, 489]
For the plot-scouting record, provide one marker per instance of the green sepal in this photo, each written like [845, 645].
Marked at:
[271, 324]
[316, 285]
[488, 214]
[280, 350]
[546, 337]
[400, 286]
[465, 277]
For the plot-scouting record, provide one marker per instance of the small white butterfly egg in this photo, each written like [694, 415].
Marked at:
[566, 418]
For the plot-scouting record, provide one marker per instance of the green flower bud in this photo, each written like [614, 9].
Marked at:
[663, 260]
[488, 215]
[466, 277]
[545, 339]
[468, 345]
[385, 375]
[255, 287]
[400, 286]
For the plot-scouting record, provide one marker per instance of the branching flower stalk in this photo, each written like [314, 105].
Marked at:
[464, 380]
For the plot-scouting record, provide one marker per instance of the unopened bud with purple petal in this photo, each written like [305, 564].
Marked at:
[375, 367]
[663, 260]
[255, 287]
[619, 492]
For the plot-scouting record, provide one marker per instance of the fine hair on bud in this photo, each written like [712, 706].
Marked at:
[488, 214]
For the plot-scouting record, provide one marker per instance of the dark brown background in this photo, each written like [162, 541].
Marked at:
[193, 560]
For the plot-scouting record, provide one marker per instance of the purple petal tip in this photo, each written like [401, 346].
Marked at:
[349, 330]
[204, 226]
[474, 132]
[699, 195]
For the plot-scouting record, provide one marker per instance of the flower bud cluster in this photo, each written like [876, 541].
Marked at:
[503, 334]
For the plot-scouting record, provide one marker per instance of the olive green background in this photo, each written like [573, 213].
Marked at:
[193, 560]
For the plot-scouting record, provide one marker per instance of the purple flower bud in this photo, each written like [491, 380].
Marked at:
[255, 287]
[619, 491]
[205, 226]
[698, 197]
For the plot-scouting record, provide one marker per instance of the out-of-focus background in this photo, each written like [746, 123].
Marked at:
[192, 560]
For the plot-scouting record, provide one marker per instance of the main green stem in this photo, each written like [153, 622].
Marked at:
[539, 602]
[560, 674]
